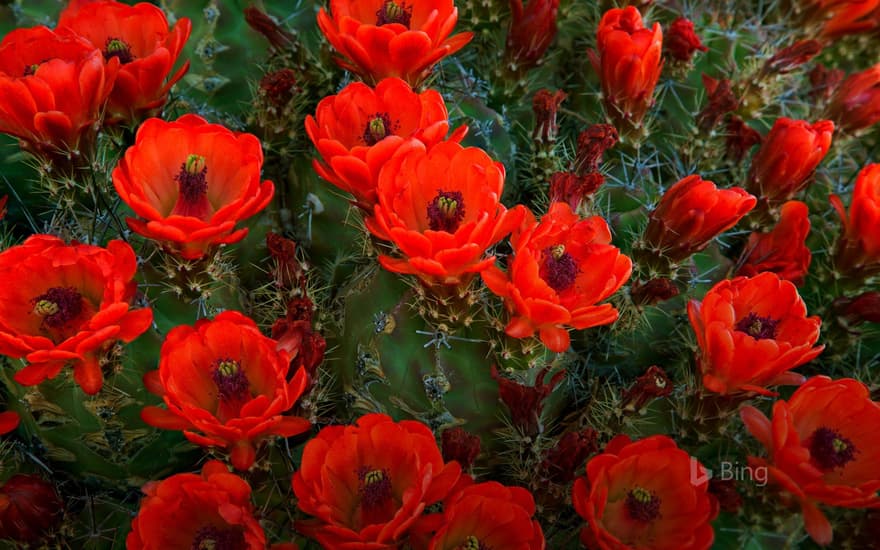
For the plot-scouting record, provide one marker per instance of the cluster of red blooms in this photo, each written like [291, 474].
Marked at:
[438, 202]
[104, 59]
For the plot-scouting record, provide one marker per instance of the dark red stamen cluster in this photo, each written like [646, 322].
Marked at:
[757, 327]
[642, 505]
[118, 48]
[559, 269]
[391, 12]
[830, 450]
[446, 211]
[212, 538]
[231, 381]
[58, 306]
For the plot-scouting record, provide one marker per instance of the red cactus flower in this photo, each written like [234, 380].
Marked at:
[792, 57]
[561, 269]
[856, 103]
[532, 30]
[208, 510]
[645, 494]
[30, 509]
[561, 462]
[751, 333]
[787, 158]
[572, 189]
[488, 515]
[652, 384]
[138, 36]
[591, 146]
[720, 101]
[822, 447]
[858, 247]
[545, 105]
[783, 250]
[681, 40]
[691, 213]
[460, 446]
[441, 208]
[628, 63]
[845, 17]
[359, 129]
[370, 498]
[526, 403]
[8, 421]
[192, 182]
[65, 305]
[225, 385]
[740, 138]
[382, 38]
[52, 90]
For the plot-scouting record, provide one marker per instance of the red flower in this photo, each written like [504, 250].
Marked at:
[561, 462]
[52, 90]
[853, 311]
[628, 63]
[591, 146]
[783, 250]
[441, 208]
[787, 158]
[647, 387]
[858, 248]
[381, 38]
[489, 515]
[368, 483]
[359, 129]
[681, 40]
[856, 103]
[847, 17]
[823, 447]
[193, 182]
[572, 189]
[545, 105]
[66, 305]
[138, 36]
[646, 494]
[740, 138]
[226, 385]
[751, 333]
[296, 337]
[690, 214]
[211, 510]
[720, 101]
[460, 446]
[29, 508]
[532, 30]
[8, 421]
[790, 58]
[526, 403]
[562, 267]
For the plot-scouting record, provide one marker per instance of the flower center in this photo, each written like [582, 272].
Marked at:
[232, 384]
[116, 47]
[31, 70]
[830, 450]
[212, 538]
[377, 503]
[446, 211]
[378, 127]
[391, 12]
[559, 269]
[757, 327]
[472, 543]
[58, 306]
[642, 505]
[192, 182]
